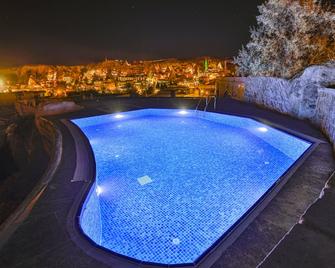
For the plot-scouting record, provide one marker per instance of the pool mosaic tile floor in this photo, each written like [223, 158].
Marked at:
[170, 187]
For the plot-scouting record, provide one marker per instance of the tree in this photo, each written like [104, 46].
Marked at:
[290, 35]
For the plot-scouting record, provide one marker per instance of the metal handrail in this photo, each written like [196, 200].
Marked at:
[196, 109]
[208, 101]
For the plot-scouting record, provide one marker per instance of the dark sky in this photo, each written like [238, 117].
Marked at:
[66, 32]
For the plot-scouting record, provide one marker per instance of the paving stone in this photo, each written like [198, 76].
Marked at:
[321, 215]
[262, 231]
[65, 256]
[331, 182]
[234, 257]
[60, 207]
[279, 216]
[303, 248]
[33, 238]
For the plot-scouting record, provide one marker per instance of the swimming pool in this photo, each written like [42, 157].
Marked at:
[171, 183]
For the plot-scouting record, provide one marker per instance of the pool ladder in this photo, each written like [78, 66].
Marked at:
[208, 100]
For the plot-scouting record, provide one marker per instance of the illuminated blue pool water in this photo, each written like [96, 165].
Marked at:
[171, 183]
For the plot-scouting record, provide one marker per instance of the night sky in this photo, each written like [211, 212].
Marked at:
[65, 32]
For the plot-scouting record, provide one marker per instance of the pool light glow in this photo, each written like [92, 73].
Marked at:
[183, 112]
[263, 129]
[118, 116]
[98, 190]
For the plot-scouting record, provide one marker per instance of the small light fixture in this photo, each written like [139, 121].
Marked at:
[263, 129]
[183, 112]
[98, 190]
[118, 116]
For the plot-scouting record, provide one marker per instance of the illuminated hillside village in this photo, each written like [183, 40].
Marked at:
[193, 77]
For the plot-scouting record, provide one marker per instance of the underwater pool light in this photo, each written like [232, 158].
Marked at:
[118, 116]
[183, 112]
[263, 129]
[98, 190]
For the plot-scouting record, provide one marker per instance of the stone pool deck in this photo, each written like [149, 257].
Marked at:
[42, 240]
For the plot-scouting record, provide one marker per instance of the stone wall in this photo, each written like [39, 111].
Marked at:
[305, 96]
[325, 112]
[21, 137]
[48, 132]
[274, 93]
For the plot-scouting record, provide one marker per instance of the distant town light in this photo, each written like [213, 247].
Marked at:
[1, 85]
[263, 129]
[118, 116]
[98, 190]
[183, 112]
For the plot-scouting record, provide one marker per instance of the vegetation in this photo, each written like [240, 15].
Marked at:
[290, 35]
